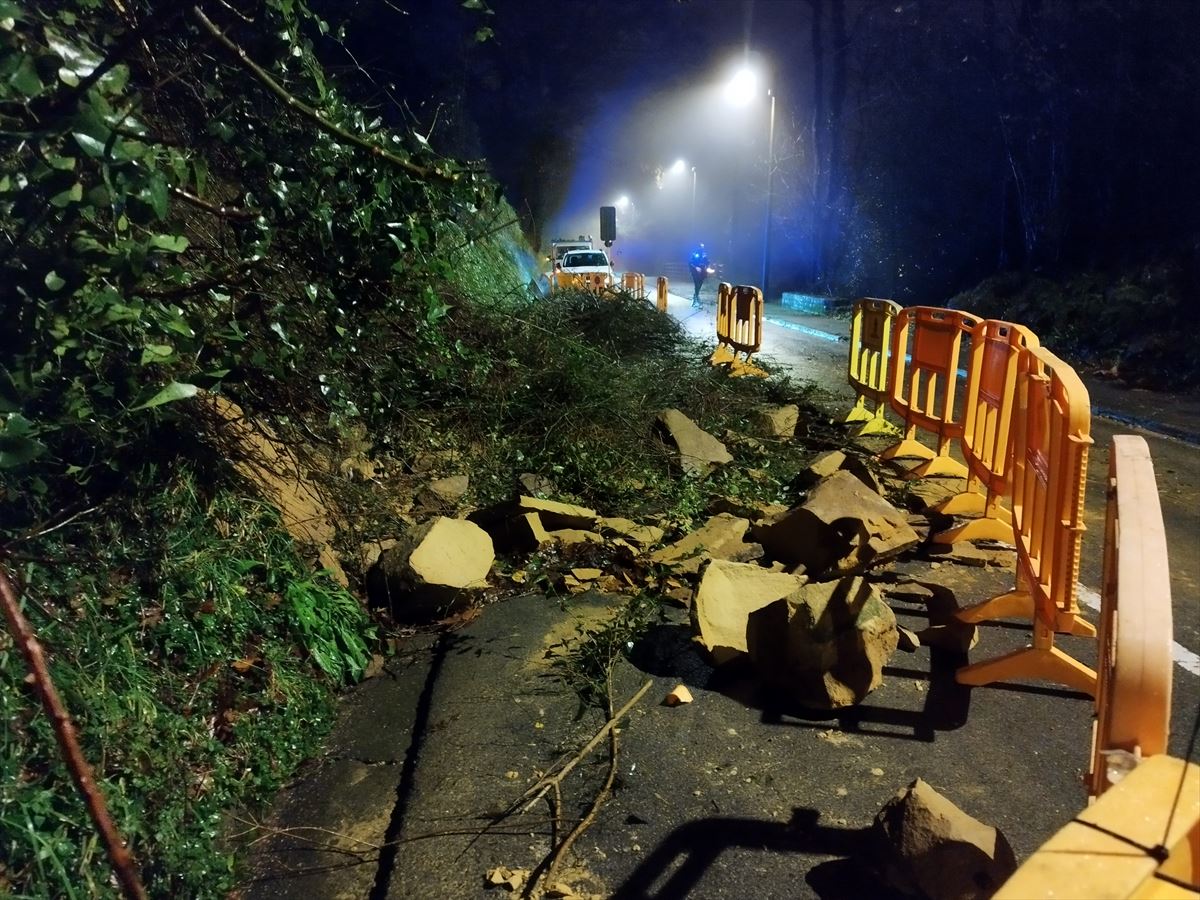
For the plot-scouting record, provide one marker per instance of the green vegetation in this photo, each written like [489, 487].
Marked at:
[175, 227]
[1128, 326]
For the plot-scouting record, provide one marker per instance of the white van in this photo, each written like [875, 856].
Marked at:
[562, 246]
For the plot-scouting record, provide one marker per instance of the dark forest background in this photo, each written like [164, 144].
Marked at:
[924, 144]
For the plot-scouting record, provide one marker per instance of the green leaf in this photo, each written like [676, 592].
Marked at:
[93, 147]
[156, 353]
[484, 34]
[473, 4]
[10, 399]
[17, 444]
[175, 390]
[25, 79]
[61, 163]
[155, 194]
[171, 243]
[53, 281]
[200, 169]
[73, 194]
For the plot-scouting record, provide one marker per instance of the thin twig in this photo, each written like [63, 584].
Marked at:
[538, 790]
[68, 742]
[307, 111]
[225, 212]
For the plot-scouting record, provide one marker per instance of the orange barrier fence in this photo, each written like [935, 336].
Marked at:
[1141, 836]
[1133, 700]
[922, 391]
[739, 328]
[660, 296]
[870, 344]
[990, 398]
[634, 283]
[1049, 467]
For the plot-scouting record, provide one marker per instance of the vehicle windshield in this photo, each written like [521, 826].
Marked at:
[585, 259]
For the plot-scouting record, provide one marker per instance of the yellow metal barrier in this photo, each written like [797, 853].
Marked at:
[870, 343]
[922, 391]
[739, 328]
[1133, 702]
[990, 398]
[1050, 450]
[660, 297]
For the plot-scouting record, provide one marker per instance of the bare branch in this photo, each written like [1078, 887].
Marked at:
[225, 212]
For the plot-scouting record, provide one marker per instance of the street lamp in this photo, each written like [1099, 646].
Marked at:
[693, 199]
[679, 167]
[740, 90]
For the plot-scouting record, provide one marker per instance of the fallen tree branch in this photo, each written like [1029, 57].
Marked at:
[307, 111]
[225, 212]
[539, 790]
[68, 741]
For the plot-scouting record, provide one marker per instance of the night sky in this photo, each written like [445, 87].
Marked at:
[920, 145]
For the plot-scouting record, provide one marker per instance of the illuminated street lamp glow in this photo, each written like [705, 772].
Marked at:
[679, 167]
[742, 87]
[622, 203]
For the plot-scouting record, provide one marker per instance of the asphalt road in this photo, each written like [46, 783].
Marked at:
[806, 346]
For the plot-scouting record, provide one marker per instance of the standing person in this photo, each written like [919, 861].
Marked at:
[698, 263]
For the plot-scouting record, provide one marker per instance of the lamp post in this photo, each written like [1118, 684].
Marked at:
[766, 259]
[693, 201]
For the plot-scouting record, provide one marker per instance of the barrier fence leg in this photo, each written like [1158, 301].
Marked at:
[908, 448]
[859, 412]
[877, 424]
[1041, 662]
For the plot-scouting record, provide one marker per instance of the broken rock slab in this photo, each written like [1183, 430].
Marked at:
[729, 592]
[444, 492]
[927, 846]
[842, 527]
[779, 421]
[556, 515]
[955, 636]
[699, 451]
[721, 537]
[432, 570]
[643, 535]
[824, 646]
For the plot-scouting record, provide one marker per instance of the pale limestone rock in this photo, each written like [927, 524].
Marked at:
[719, 538]
[729, 592]
[699, 451]
[432, 570]
[909, 641]
[824, 646]
[370, 551]
[755, 512]
[556, 515]
[842, 527]
[445, 491]
[532, 483]
[927, 846]
[644, 535]
[568, 536]
[779, 421]
[822, 466]
[529, 533]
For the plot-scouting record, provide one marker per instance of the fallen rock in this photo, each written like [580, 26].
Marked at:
[929, 492]
[587, 574]
[528, 532]
[444, 491]
[555, 515]
[927, 846]
[908, 639]
[755, 512]
[645, 535]
[963, 552]
[432, 570]
[679, 695]
[956, 636]
[841, 528]
[533, 484]
[699, 451]
[503, 876]
[568, 536]
[858, 467]
[729, 592]
[370, 551]
[825, 645]
[779, 421]
[822, 467]
[719, 538]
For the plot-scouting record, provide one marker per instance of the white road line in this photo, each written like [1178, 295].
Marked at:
[1184, 658]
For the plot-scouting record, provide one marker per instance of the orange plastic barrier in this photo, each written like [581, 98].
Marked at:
[1133, 700]
[634, 283]
[990, 398]
[922, 391]
[739, 328]
[661, 295]
[1049, 467]
[870, 344]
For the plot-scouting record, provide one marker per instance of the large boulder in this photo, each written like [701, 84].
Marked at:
[842, 527]
[699, 451]
[824, 646]
[925, 845]
[729, 592]
[432, 571]
[721, 537]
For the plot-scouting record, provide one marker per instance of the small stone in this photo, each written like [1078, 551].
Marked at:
[568, 536]
[555, 515]
[877, 772]
[699, 451]
[909, 641]
[587, 574]
[954, 635]
[779, 421]
[678, 695]
[444, 492]
[645, 535]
